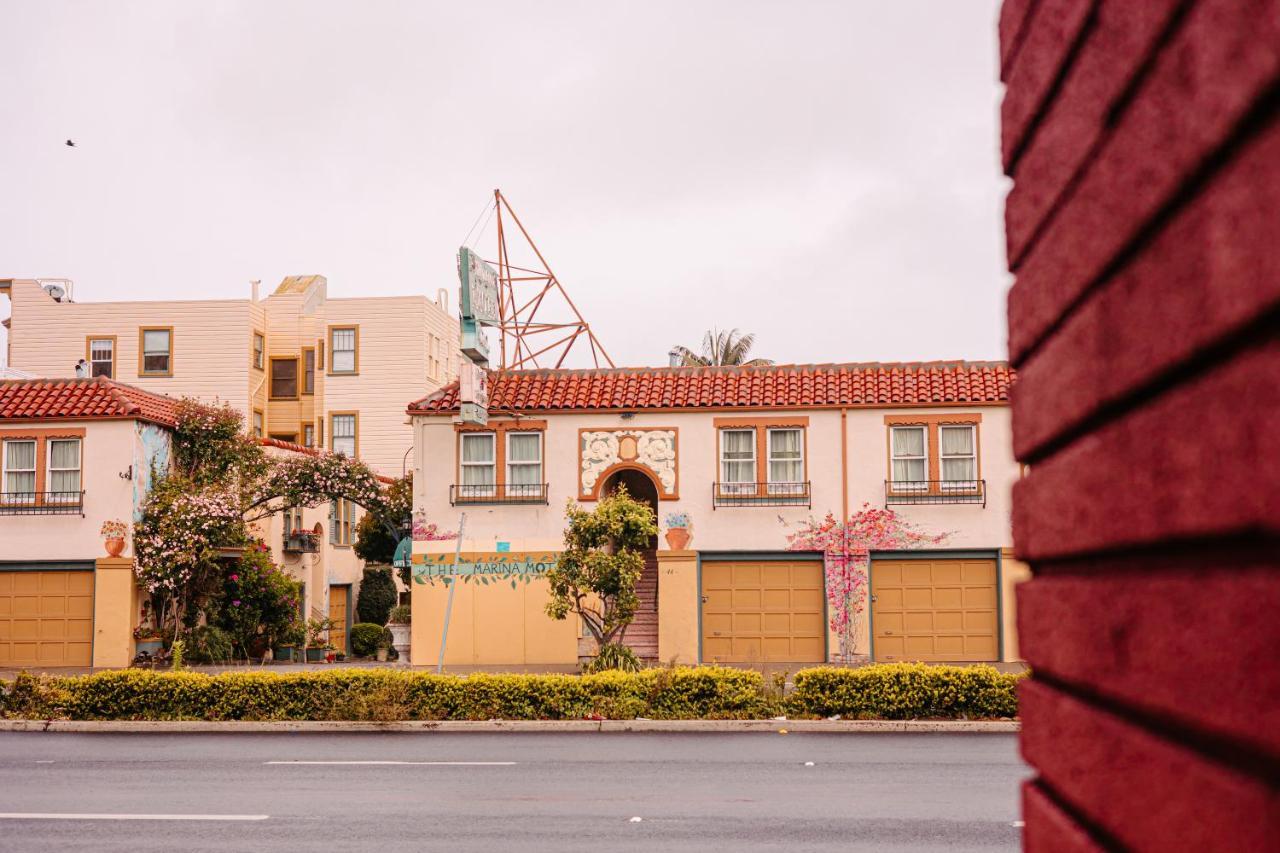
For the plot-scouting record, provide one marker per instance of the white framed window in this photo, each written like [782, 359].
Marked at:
[909, 458]
[958, 454]
[524, 464]
[342, 350]
[64, 470]
[342, 434]
[786, 461]
[259, 350]
[19, 483]
[478, 465]
[102, 357]
[738, 461]
[308, 435]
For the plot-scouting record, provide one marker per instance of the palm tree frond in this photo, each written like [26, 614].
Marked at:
[728, 347]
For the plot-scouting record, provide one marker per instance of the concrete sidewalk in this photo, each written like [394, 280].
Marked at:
[541, 726]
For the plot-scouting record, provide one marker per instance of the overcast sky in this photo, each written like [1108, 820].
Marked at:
[824, 174]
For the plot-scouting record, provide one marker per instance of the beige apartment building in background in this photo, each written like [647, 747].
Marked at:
[304, 369]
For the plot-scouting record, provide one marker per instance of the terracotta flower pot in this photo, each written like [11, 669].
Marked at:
[678, 538]
[115, 546]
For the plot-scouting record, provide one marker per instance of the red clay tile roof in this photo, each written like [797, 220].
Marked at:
[790, 386]
[70, 399]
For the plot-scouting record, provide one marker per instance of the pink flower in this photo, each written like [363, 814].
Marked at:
[235, 603]
[235, 577]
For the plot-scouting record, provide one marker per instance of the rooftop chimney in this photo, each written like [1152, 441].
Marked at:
[673, 358]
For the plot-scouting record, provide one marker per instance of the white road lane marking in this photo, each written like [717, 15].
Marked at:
[91, 816]
[412, 763]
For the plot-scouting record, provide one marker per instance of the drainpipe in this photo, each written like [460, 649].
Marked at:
[844, 464]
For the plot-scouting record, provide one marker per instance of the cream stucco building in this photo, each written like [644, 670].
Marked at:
[307, 371]
[747, 455]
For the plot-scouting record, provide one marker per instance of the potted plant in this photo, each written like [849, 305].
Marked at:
[380, 654]
[678, 530]
[290, 640]
[400, 625]
[113, 532]
[316, 643]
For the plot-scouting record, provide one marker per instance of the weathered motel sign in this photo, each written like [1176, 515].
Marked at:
[479, 300]
[477, 307]
[483, 568]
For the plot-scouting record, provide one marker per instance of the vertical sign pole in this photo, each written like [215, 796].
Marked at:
[453, 584]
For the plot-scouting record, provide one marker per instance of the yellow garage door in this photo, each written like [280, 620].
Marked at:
[46, 618]
[935, 610]
[763, 611]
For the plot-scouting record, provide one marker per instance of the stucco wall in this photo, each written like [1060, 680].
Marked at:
[754, 529]
[109, 449]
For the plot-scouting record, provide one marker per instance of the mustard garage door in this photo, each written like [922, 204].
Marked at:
[935, 610]
[46, 618]
[762, 611]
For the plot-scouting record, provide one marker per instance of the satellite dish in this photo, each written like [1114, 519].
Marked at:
[55, 291]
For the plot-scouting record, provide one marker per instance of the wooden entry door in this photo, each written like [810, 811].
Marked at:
[339, 599]
[762, 611]
[46, 618]
[935, 610]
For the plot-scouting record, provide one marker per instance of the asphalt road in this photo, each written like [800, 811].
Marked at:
[508, 791]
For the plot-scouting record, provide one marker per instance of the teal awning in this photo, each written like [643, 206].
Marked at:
[404, 553]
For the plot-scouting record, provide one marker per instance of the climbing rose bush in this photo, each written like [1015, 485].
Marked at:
[846, 547]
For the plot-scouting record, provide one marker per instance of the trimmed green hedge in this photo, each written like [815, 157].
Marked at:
[884, 691]
[906, 691]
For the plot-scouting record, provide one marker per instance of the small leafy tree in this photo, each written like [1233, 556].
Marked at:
[377, 535]
[377, 595]
[596, 574]
[258, 600]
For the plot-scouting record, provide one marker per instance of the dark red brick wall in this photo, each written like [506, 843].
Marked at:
[1143, 138]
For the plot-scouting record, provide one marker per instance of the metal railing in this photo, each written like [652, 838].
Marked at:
[42, 503]
[761, 494]
[302, 542]
[935, 492]
[499, 493]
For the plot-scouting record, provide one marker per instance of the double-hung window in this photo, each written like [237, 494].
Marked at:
[309, 370]
[524, 465]
[786, 461]
[959, 457]
[155, 356]
[259, 350]
[64, 470]
[738, 461]
[479, 465]
[308, 435]
[344, 342]
[342, 521]
[342, 434]
[19, 471]
[102, 357]
[284, 378]
[258, 424]
[909, 458]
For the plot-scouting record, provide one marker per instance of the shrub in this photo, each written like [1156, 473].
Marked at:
[377, 595]
[614, 656]
[401, 614]
[259, 601]
[209, 644]
[366, 637]
[382, 694]
[904, 691]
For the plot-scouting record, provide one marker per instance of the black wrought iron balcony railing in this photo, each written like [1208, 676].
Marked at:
[42, 503]
[761, 494]
[499, 493]
[301, 542]
[935, 492]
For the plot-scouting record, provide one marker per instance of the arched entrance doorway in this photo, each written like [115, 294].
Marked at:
[642, 634]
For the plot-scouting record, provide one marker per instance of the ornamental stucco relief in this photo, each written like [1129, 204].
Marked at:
[652, 449]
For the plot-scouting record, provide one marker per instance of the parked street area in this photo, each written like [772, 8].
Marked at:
[484, 792]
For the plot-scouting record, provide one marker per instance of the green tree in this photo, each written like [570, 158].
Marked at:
[377, 535]
[377, 595]
[722, 348]
[596, 574]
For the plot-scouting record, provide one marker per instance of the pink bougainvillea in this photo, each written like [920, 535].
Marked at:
[846, 548]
